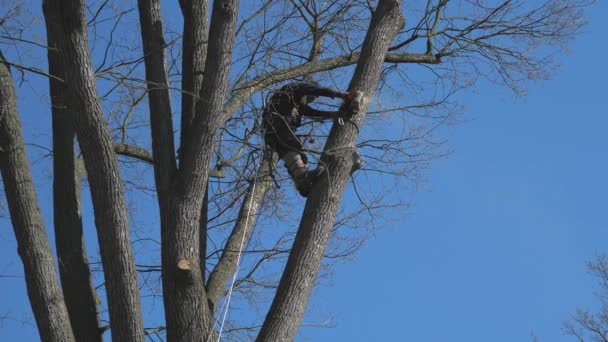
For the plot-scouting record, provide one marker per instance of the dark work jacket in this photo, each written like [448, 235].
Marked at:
[286, 103]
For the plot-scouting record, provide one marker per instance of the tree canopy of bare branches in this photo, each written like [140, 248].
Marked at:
[592, 326]
[163, 106]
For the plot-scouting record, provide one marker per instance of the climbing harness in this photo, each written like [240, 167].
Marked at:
[353, 107]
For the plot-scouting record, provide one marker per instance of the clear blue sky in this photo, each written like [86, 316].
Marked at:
[493, 250]
[496, 249]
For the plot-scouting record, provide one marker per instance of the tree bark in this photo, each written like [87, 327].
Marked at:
[289, 304]
[66, 22]
[186, 309]
[194, 50]
[157, 80]
[32, 243]
[247, 89]
[250, 206]
[202, 234]
[78, 289]
[242, 230]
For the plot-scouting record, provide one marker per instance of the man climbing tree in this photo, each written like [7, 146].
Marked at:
[282, 117]
[113, 87]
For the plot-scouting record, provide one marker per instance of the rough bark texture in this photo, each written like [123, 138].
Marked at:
[186, 308]
[33, 247]
[250, 206]
[194, 49]
[66, 23]
[202, 234]
[289, 304]
[78, 289]
[243, 227]
[163, 149]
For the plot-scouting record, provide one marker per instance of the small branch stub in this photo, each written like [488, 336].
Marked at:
[187, 272]
[356, 103]
[184, 265]
[357, 161]
[353, 106]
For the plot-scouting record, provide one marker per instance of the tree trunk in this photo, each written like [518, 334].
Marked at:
[250, 206]
[186, 308]
[289, 304]
[194, 50]
[243, 227]
[66, 23]
[78, 289]
[202, 234]
[161, 121]
[32, 243]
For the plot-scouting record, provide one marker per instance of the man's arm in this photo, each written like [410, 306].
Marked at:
[306, 110]
[305, 88]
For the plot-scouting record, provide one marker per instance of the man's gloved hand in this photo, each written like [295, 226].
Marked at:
[351, 103]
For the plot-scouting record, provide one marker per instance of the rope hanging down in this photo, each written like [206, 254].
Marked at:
[353, 107]
[224, 309]
[238, 259]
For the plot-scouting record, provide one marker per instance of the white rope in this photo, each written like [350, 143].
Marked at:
[238, 259]
[226, 304]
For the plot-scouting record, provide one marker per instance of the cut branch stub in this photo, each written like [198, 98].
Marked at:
[184, 265]
[187, 272]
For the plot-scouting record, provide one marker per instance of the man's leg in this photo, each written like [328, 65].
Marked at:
[298, 170]
[290, 149]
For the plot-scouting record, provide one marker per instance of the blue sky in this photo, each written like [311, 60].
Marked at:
[494, 248]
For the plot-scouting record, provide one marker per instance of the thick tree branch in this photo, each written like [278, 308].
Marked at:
[194, 53]
[134, 152]
[65, 21]
[250, 206]
[289, 304]
[76, 282]
[33, 246]
[159, 99]
[186, 307]
[243, 227]
[194, 47]
[145, 156]
[242, 92]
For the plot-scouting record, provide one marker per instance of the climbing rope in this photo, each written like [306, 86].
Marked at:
[226, 305]
[238, 259]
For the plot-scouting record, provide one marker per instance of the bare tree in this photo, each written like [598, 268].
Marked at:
[42, 283]
[586, 325]
[216, 181]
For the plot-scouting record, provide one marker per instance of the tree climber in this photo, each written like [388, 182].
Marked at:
[282, 117]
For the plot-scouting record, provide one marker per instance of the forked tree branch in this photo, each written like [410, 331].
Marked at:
[76, 282]
[157, 81]
[186, 308]
[43, 288]
[289, 304]
[65, 20]
[241, 92]
[145, 156]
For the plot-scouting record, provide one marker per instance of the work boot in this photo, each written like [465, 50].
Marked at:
[304, 179]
